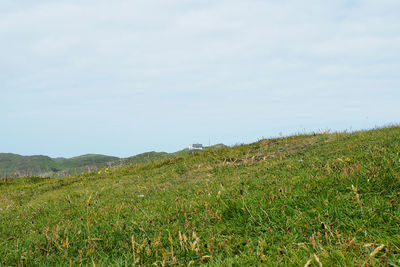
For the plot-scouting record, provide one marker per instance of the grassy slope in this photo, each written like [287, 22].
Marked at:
[274, 202]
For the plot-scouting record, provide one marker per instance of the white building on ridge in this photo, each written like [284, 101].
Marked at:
[196, 146]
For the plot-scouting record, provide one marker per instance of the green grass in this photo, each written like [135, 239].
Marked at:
[332, 198]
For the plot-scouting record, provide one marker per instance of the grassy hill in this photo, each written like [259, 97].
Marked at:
[87, 160]
[43, 165]
[326, 199]
[147, 157]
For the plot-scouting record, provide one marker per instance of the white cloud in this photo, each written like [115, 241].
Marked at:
[225, 63]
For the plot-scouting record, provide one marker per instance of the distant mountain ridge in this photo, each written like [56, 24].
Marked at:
[14, 164]
[40, 165]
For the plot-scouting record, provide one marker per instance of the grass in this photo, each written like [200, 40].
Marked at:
[330, 199]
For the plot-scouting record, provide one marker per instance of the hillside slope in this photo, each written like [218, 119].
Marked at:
[309, 199]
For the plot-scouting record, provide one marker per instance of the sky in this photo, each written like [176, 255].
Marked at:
[124, 77]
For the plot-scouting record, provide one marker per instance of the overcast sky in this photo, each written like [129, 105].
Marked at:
[123, 77]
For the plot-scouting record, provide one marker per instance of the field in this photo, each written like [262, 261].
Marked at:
[315, 200]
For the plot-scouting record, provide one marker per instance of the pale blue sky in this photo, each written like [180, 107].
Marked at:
[123, 77]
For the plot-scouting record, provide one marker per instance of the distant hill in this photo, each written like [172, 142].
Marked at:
[13, 164]
[87, 160]
[147, 157]
[25, 165]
